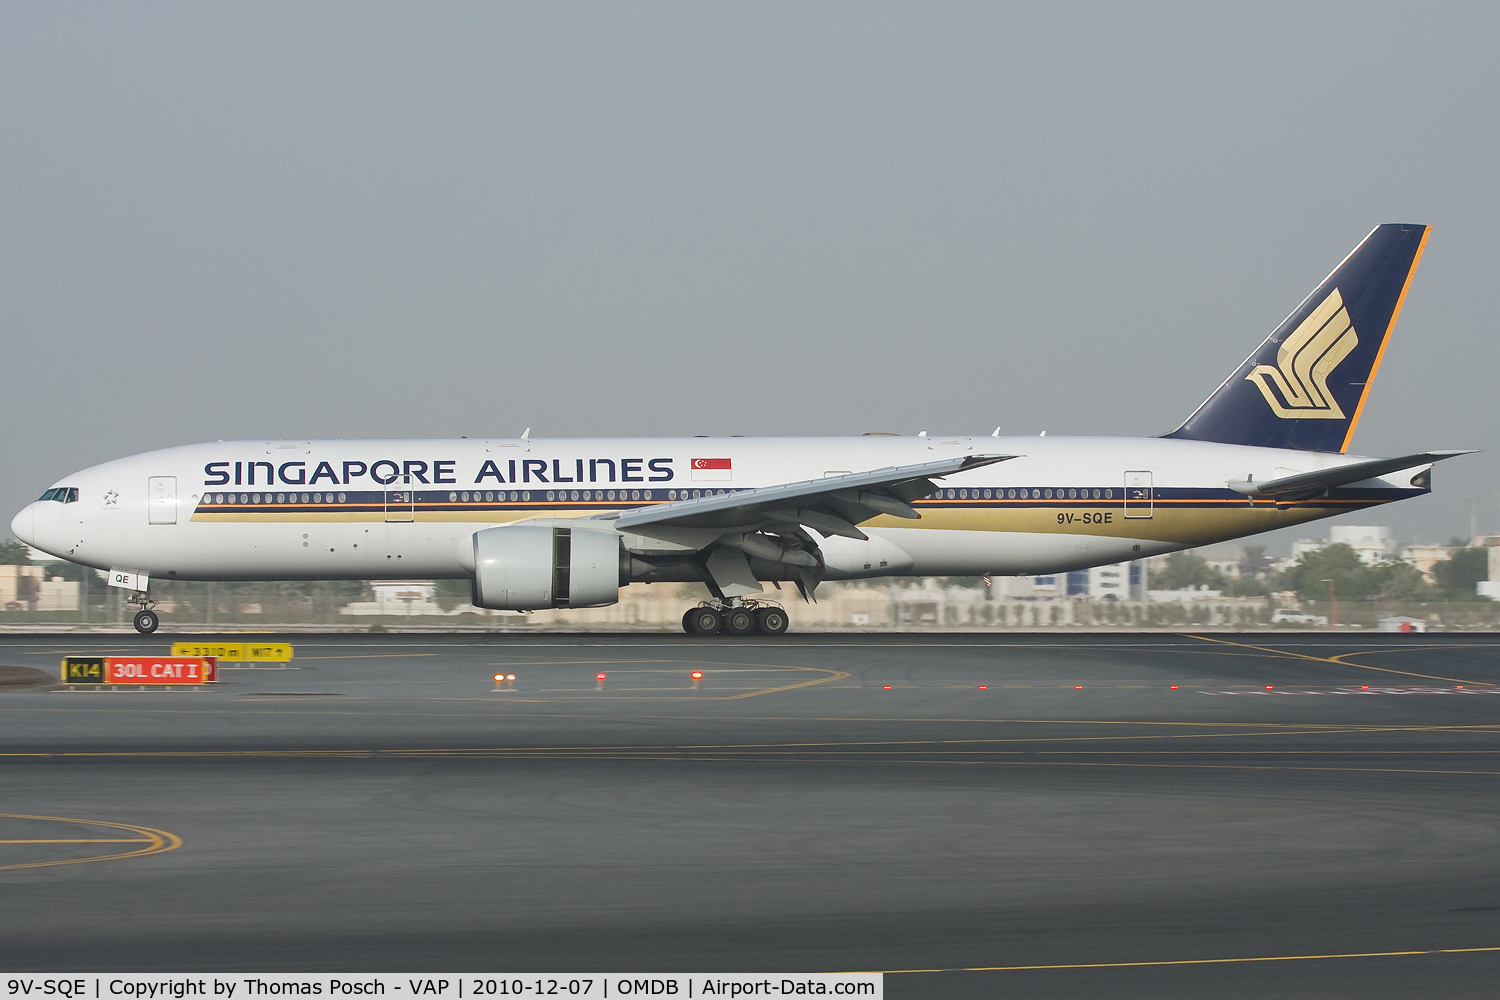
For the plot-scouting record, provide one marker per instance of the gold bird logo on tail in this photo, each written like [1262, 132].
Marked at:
[1297, 386]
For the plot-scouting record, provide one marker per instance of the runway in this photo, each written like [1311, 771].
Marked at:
[1126, 815]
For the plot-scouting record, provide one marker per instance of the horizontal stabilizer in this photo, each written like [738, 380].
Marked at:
[1342, 475]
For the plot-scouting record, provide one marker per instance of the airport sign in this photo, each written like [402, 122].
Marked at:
[237, 652]
[140, 670]
[154, 670]
[83, 670]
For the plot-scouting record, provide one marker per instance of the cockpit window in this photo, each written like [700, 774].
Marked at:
[62, 494]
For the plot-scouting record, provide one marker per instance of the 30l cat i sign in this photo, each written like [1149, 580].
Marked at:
[154, 670]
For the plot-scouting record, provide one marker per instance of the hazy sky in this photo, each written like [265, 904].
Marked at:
[375, 220]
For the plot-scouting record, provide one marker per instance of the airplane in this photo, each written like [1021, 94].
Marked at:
[565, 523]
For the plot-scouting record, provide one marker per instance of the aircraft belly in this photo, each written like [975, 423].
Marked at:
[970, 553]
[290, 551]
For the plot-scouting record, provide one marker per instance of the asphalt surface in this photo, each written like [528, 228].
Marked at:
[814, 803]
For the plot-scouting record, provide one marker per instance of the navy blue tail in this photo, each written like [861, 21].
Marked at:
[1306, 386]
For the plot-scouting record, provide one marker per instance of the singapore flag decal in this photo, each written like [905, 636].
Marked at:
[711, 470]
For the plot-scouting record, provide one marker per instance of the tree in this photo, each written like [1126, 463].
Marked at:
[1249, 586]
[1458, 574]
[449, 594]
[1254, 562]
[13, 553]
[1352, 580]
[1404, 582]
[1184, 569]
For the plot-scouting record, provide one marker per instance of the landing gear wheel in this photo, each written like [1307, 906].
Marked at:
[771, 621]
[738, 621]
[146, 622]
[703, 621]
[687, 620]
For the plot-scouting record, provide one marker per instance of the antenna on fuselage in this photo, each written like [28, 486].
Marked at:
[526, 434]
[996, 433]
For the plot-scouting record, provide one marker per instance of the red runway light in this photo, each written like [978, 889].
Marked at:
[887, 687]
[1269, 688]
[599, 677]
[1460, 687]
[1077, 687]
[1364, 687]
[510, 677]
[1174, 687]
[984, 687]
[499, 678]
[697, 675]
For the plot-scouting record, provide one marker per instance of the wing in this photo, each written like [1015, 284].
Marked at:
[832, 506]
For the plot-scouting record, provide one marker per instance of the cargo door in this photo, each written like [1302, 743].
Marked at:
[161, 493]
[1139, 494]
[400, 500]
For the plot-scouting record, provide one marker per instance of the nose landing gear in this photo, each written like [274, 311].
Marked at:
[146, 619]
[739, 618]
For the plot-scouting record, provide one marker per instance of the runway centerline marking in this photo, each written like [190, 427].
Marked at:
[1338, 659]
[156, 841]
[81, 840]
[366, 656]
[1200, 961]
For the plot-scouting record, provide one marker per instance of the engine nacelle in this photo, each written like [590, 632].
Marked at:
[524, 567]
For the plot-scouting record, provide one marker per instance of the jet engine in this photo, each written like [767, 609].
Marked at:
[525, 567]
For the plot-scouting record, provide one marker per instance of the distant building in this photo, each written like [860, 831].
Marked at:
[1185, 595]
[1109, 582]
[1424, 557]
[398, 597]
[27, 588]
[1373, 543]
[1114, 581]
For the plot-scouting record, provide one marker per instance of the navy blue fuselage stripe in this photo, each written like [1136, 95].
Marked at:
[374, 501]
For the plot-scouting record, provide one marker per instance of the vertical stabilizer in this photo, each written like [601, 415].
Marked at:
[1306, 386]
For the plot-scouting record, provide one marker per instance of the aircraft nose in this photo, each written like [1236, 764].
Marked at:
[23, 526]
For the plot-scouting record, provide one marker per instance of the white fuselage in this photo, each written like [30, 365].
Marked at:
[401, 509]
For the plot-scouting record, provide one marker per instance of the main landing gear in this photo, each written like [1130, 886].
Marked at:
[741, 618]
[146, 619]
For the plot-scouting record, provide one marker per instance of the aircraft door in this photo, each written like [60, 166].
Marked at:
[1139, 494]
[161, 492]
[400, 500]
